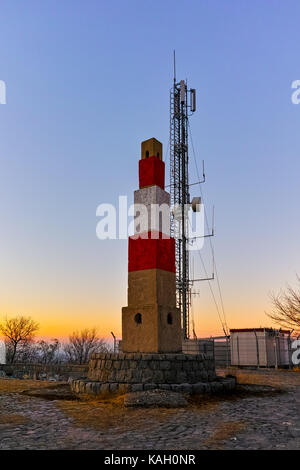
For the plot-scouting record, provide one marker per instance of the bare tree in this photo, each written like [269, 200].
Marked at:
[48, 352]
[26, 352]
[18, 331]
[82, 344]
[286, 308]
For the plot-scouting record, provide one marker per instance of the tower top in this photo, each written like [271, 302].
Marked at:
[151, 148]
[151, 165]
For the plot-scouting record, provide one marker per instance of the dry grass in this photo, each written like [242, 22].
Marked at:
[18, 386]
[224, 431]
[12, 419]
[109, 412]
[206, 402]
[278, 378]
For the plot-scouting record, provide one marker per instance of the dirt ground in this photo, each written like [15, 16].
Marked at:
[263, 413]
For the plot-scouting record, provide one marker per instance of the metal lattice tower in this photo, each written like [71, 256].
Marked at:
[179, 190]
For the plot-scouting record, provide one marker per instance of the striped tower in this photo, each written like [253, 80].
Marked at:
[151, 321]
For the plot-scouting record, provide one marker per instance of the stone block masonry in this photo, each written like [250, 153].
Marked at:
[220, 385]
[133, 372]
[151, 368]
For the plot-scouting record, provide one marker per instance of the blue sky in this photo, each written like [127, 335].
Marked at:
[87, 81]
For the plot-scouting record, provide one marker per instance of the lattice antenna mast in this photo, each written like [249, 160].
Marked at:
[182, 105]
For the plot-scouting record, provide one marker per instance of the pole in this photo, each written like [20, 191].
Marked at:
[115, 342]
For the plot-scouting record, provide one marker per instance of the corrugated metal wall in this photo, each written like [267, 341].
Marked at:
[260, 349]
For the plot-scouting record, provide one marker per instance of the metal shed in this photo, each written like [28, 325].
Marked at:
[260, 347]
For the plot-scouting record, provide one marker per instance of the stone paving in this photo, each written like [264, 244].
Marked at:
[256, 416]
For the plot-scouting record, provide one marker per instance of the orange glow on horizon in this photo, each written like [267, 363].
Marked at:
[61, 323]
[60, 312]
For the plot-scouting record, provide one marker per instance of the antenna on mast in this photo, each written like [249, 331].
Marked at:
[180, 109]
[174, 65]
[182, 106]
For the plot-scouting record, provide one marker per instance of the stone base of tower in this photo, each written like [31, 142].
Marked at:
[132, 372]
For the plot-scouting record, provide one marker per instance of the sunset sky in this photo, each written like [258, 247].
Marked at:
[87, 81]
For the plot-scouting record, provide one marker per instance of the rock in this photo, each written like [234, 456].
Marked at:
[165, 386]
[150, 386]
[295, 431]
[155, 398]
[136, 387]
[113, 387]
[123, 388]
[186, 388]
[104, 388]
[200, 388]
[57, 392]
